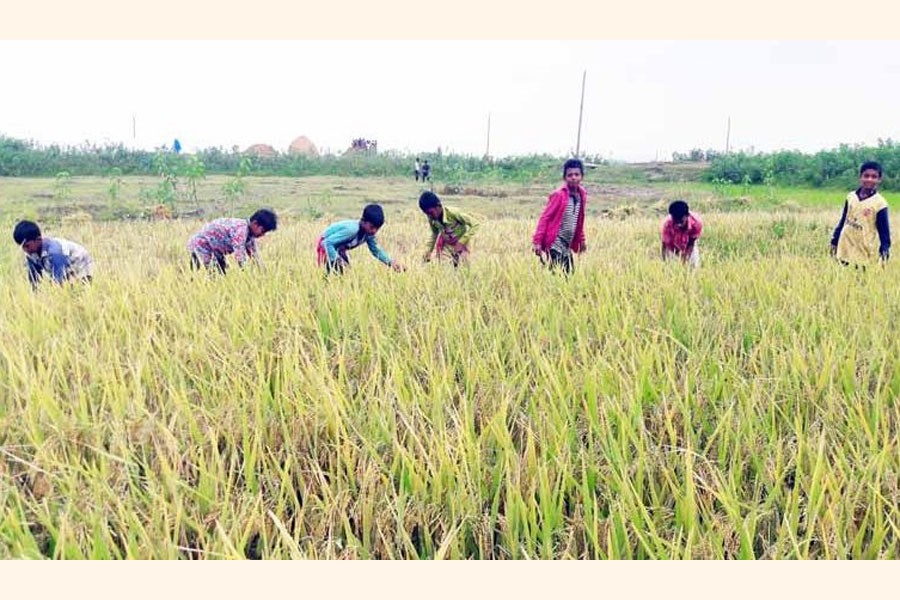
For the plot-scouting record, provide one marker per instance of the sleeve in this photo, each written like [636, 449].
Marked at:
[58, 264]
[840, 226]
[239, 237]
[376, 250]
[698, 230]
[471, 226]
[432, 238]
[883, 224]
[34, 271]
[544, 221]
[665, 235]
[252, 250]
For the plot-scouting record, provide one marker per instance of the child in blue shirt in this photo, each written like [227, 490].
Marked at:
[343, 236]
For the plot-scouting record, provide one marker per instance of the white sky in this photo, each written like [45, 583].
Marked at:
[642, 99]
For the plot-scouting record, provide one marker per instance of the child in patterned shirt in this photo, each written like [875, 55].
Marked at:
[218, 238]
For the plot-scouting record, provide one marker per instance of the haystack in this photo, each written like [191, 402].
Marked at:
[263, 150]
[303, 145]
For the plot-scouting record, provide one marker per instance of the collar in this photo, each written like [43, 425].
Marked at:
[860, 196]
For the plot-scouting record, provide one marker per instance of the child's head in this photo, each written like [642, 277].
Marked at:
[28, 235]
[573, 172]
[431, 205]
[870, 175]
[372, 219]
[262, 222]
[679, 211]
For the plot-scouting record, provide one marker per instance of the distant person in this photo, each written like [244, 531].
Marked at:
[426, 172]
[451, 229]
[343, 236]
[864, 231]
[418, 168]
[560, 230]
[218, 238]
[680, 232]
[176, 146]
[62, 259]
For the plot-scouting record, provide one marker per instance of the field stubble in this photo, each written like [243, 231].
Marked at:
[636, 410]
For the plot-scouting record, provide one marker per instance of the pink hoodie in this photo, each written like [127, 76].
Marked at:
[551, 220]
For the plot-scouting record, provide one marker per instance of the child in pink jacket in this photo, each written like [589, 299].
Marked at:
[560, 230]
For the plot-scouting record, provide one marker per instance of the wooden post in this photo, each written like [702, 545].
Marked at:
[580, 112]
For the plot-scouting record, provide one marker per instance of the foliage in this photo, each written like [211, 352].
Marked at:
[838, 167]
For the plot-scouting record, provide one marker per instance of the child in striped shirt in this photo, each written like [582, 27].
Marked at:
[343, 236]
[560, 230]
[218, 238]
[64, 260]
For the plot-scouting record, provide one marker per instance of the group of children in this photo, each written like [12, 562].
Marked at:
[862, 234]
[422, 170]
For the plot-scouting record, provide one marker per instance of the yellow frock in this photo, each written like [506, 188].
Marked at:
[859, 238]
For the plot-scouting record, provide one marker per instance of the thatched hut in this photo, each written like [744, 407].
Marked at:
[261, 150]
[303, 145]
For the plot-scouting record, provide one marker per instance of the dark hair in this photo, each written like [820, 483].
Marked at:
[26, 231]
[870, 164]
[266, 219]
[428, 200]
[679, 209]
[373, 214]
[573, 163]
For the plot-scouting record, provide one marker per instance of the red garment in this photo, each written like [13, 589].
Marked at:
[321, 255]
[442, 241]
[551, 220]
[675, 239]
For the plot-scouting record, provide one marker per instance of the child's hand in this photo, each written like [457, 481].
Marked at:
[833, 249]
[536, 248]
[397, 267]
[460, 248]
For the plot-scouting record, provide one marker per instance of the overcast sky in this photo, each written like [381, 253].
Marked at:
[642, 99]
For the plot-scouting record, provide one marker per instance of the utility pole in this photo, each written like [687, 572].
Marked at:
[580, 112]
[487, 150]
[728, 136]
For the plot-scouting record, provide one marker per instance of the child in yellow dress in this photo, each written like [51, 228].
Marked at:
[863, 233]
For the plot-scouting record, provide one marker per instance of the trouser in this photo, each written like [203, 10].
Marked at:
[197, 262]
[337, 265]
[693, 260]
[445, 249]
[561, 260]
